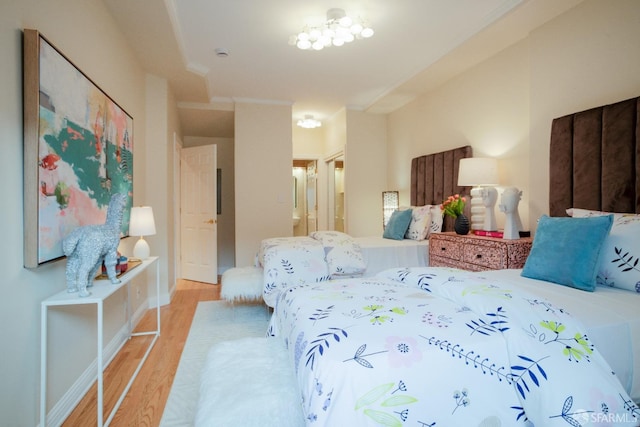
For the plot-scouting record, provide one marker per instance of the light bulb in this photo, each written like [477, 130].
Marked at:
[303, 44]
[345, 21]
[314, 34]
[367, 32]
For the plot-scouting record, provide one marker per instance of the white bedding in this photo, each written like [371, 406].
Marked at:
[381, 254]
[429, 346]
[324, 255]
[611, 317]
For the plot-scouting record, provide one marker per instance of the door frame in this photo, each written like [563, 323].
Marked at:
[177, 197]
[329, 162]
[196, 272]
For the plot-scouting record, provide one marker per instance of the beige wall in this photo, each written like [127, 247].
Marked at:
[365, 172]
[587, 57]
[263, 159]
[162, 123]
[503, 107]
[486, 107]
[102, 53]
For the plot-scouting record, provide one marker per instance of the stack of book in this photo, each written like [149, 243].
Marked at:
[498, 234]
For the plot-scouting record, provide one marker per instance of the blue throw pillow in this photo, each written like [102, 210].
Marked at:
[567, 250]
[397, 225]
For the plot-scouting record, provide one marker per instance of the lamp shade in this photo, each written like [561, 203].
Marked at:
[478, 171]
[141, 222]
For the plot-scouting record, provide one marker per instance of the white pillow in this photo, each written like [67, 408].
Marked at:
[420, 223]
[436, 219]
[434, 225]
[343, 254]
[619, 265]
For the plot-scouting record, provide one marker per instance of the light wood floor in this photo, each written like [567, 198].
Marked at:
[144, 404]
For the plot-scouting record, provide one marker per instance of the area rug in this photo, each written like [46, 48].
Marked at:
[213, 322]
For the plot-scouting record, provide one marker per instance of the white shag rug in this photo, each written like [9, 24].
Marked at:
[249, 382]
[213, 322]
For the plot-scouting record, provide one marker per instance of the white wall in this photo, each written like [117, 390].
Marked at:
[263, 160]
[85, 32]
[503, 107]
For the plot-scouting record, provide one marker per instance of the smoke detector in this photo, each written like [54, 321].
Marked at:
[222, 52]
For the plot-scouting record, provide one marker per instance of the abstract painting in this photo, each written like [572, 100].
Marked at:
[78, 151]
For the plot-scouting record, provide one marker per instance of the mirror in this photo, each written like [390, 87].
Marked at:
[304, 197]
[336, 187]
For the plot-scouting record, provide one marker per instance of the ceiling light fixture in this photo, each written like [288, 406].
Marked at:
[336, 31]
[309, 122]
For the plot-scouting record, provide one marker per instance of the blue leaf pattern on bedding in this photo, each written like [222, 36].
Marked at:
[498, 325]
[384, 349]
[322, 343]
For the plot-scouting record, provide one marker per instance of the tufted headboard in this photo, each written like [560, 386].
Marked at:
[595, 159]
[435, 176]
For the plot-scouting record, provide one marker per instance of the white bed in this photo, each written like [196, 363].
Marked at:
[610, 315]
[380, 253]
[434, 346]
[438, 346]
[327, 255]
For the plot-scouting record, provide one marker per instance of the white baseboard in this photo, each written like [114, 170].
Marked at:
[67, 403]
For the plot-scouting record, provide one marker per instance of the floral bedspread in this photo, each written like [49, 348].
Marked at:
[440, 347]
[324, 255]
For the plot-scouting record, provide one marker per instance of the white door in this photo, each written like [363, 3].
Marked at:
[198, 224]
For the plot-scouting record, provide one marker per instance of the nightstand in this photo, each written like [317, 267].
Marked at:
[477, 253]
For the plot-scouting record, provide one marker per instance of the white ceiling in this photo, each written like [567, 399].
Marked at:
[417, 45]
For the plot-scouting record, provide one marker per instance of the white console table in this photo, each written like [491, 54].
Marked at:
[100, 291]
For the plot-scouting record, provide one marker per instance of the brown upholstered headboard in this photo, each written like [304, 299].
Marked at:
[435, 176]
[595, 159]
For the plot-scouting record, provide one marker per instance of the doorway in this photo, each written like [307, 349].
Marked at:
[198, 207]
[336, 208]
[305, 201]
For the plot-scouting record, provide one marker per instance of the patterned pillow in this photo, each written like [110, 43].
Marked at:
[420, 223]
[435, 218]
[342, 253]
[619, 265]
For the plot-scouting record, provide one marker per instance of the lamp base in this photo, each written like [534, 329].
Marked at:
[477, 209]
[141, 250]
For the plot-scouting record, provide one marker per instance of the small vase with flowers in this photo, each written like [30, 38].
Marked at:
[454, 207]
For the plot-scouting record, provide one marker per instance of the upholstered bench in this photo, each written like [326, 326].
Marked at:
[242, 284]
[248, 382]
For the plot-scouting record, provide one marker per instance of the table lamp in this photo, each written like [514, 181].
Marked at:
[141, 224]
[481, 173]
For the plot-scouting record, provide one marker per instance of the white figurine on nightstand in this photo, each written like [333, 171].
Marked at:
[509, 205]
[489, 199]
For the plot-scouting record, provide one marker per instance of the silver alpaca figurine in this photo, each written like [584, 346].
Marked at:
[86, 247]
